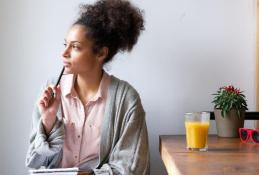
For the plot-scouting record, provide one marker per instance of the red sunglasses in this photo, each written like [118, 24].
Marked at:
[246, 133]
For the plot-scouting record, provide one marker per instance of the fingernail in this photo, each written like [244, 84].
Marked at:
[52, 94]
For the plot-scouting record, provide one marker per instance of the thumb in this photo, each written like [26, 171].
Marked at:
[57, 92]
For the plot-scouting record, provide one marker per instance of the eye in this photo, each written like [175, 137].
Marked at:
[65, 44]
[76, 47]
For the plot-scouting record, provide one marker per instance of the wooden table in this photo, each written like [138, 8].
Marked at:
[225, 156]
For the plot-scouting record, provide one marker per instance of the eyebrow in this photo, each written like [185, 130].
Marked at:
[73, 41]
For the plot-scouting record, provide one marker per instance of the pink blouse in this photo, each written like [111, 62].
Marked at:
[82, 122]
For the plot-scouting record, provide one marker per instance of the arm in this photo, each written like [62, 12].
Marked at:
[45, 148]
[130, 155]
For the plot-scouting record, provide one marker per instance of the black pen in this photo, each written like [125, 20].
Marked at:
[59, 78]
[58, 81]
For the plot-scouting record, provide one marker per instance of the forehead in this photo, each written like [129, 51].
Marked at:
[77, 33]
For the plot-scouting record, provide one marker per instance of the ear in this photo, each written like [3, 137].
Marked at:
[102, 54]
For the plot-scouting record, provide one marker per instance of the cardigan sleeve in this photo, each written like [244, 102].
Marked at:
[45, 150]
[130, 155]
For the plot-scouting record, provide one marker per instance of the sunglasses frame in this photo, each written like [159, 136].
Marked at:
[249, 134]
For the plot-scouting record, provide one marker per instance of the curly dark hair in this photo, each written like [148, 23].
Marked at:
[115, 24]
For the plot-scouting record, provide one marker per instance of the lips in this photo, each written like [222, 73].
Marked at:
[66, 64]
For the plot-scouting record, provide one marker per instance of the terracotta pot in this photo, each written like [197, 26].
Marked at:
[228, 126]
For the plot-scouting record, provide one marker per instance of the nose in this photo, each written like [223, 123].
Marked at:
[66, 52]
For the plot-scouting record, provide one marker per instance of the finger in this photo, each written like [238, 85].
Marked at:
[47, 94]
[50, 91]
[42, 104]
[57, 92]
[46, 101]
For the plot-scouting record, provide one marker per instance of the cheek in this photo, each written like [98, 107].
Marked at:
[83, 59]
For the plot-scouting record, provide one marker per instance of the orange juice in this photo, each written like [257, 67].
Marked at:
[196, 134]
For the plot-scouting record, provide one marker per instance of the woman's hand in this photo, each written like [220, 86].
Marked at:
[48, 106]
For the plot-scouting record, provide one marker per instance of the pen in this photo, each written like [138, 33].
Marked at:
[58, 81]
[59, 78]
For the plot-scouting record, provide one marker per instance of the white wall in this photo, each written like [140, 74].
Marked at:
[189, 49]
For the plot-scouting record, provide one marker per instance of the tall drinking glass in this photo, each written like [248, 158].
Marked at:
[197, 128]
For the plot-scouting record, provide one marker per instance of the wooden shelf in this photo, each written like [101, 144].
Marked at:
[249, 115]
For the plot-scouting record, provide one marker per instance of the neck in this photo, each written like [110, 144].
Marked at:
[86, 85]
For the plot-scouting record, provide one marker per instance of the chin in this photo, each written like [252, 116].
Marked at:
[68, 71]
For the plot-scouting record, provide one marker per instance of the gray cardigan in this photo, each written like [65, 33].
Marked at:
[124, 145]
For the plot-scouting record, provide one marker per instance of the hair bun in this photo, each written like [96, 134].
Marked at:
[116, 24]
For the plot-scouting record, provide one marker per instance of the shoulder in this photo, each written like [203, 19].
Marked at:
[123, 88]
[124, 94]
[126, 100]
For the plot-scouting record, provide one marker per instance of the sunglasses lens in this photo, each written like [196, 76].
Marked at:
[243, 135]
[255, 136]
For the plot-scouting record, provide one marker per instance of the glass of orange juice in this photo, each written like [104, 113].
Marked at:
[197, 128]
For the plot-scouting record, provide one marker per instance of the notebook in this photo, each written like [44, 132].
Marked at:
[58, 171]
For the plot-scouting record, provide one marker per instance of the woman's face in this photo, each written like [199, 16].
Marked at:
[78, 56]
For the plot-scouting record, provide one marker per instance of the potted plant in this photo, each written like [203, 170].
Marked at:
[229, 110]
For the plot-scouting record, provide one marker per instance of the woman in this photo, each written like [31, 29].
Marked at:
[94, 121]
